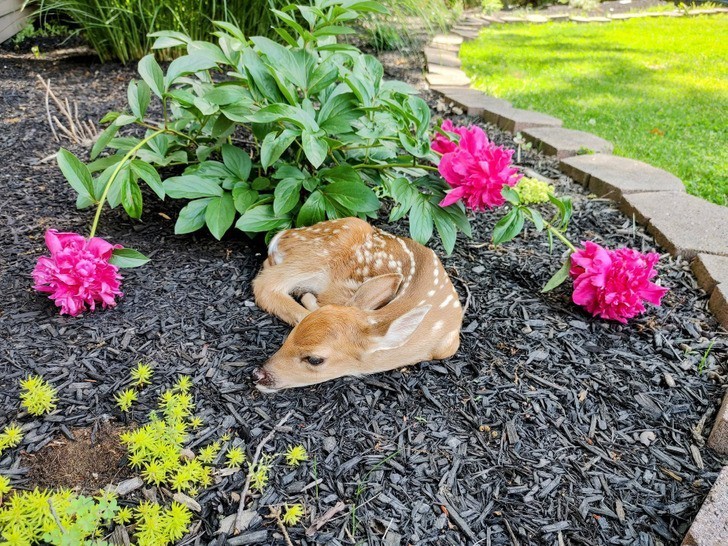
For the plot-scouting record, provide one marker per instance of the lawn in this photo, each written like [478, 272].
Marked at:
[656, 88]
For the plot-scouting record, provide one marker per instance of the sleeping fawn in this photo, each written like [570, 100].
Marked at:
[369, 302]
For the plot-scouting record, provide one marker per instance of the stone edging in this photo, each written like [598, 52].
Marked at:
[682, 224]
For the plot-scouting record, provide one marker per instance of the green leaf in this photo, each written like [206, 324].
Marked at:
[313, 210]
[168, 38]
[149, 174]
[187, 64]
[131, 197]
[113, 197]
[286, 196]
[537, 219]
[244, 198]
[508, 227]
[152, 74]
[314, 148]
[192, 216]
[77, 174]
[103, 140]
[191, 186]
[354, 196]
[511, 195]
[559, 277]
[237, 161]
[420, 221]
[139, 95]
[223, 95]
[565, 208]
[127, 258]
[274, 145]
[446, 228]
[260, 218]
[109, 117]
[220, 215]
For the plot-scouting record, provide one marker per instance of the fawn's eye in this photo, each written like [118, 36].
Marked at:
[314, 360]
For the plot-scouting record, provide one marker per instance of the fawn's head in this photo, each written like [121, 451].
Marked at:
[335, 340]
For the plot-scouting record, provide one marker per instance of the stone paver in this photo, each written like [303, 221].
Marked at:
[613, 176]
[516, 120]
[466, 33]
[472, 101]
[579, 19]
[710, 527]
[451, 42]
[564, 143]
[710, 270]
[512, 19]
[682, 224]
[446, 75]
[718, 305]
[537, 19]
[443, 57]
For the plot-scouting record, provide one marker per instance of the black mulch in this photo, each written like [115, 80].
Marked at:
[548, 427]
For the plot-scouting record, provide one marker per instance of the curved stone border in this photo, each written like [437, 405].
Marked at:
[683, 224]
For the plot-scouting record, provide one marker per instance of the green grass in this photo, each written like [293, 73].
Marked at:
[657, 88]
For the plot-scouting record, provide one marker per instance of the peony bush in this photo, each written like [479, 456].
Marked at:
[264, 136]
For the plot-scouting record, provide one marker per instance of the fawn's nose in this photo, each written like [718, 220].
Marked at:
[261, 377]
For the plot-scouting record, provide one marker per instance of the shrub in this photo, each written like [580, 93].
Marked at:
[119, 29]
[491, 6]
[325, 136]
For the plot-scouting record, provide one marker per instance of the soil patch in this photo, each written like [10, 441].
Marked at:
[86, 462]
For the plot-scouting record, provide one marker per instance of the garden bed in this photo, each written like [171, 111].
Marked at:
[547, 425]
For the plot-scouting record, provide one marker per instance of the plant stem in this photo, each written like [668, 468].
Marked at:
[131, 153]
[560, 236]
[395, 165]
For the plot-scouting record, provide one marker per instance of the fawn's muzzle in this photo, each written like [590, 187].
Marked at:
[262, 378]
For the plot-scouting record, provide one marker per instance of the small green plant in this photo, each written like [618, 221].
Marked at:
[37, 396]
[124, 515]
[158, 526]
[235, 457]
[142, 374]
[59, 518]
[155, 448]
[327, 131]
[208, 453]
[704, 360]
[532, 191]
[260, 473]
[293, 514]
[295, 455]
[362, 486]
[125, 399]
[4, 486]
[10, 437]
[491, 6]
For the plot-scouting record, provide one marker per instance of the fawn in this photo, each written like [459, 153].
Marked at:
[370, 302]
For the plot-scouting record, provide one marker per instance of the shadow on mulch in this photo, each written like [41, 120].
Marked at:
[86, 464]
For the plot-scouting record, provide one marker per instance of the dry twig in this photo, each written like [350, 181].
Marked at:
[77, 131]
[256, 458]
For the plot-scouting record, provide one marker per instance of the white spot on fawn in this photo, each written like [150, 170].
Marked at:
[448, 299]
[456, 304]
[431, 293]
[437, 325]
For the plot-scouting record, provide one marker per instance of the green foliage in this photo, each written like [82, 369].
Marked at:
[260, 473]
[158, 526]
[10, 437]
[325, 131]
[235, 457]
[293, 514]
[295, 455]
[60, 518]
[44, 29]
[532, 191]
[37, 395]
[119, 29]
[142, 374]
[407, 23]
[155, 448]
[637, 88]
[125, 399]
[491, 6]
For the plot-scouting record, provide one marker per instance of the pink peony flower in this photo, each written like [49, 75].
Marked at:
[476, 169]
[613, 284]
[442, 144]
[77, 273]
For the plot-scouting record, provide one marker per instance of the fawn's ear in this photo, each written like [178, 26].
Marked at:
[402, 328]
[376, 292]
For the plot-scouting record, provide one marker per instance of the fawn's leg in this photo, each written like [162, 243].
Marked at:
[273, 289]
